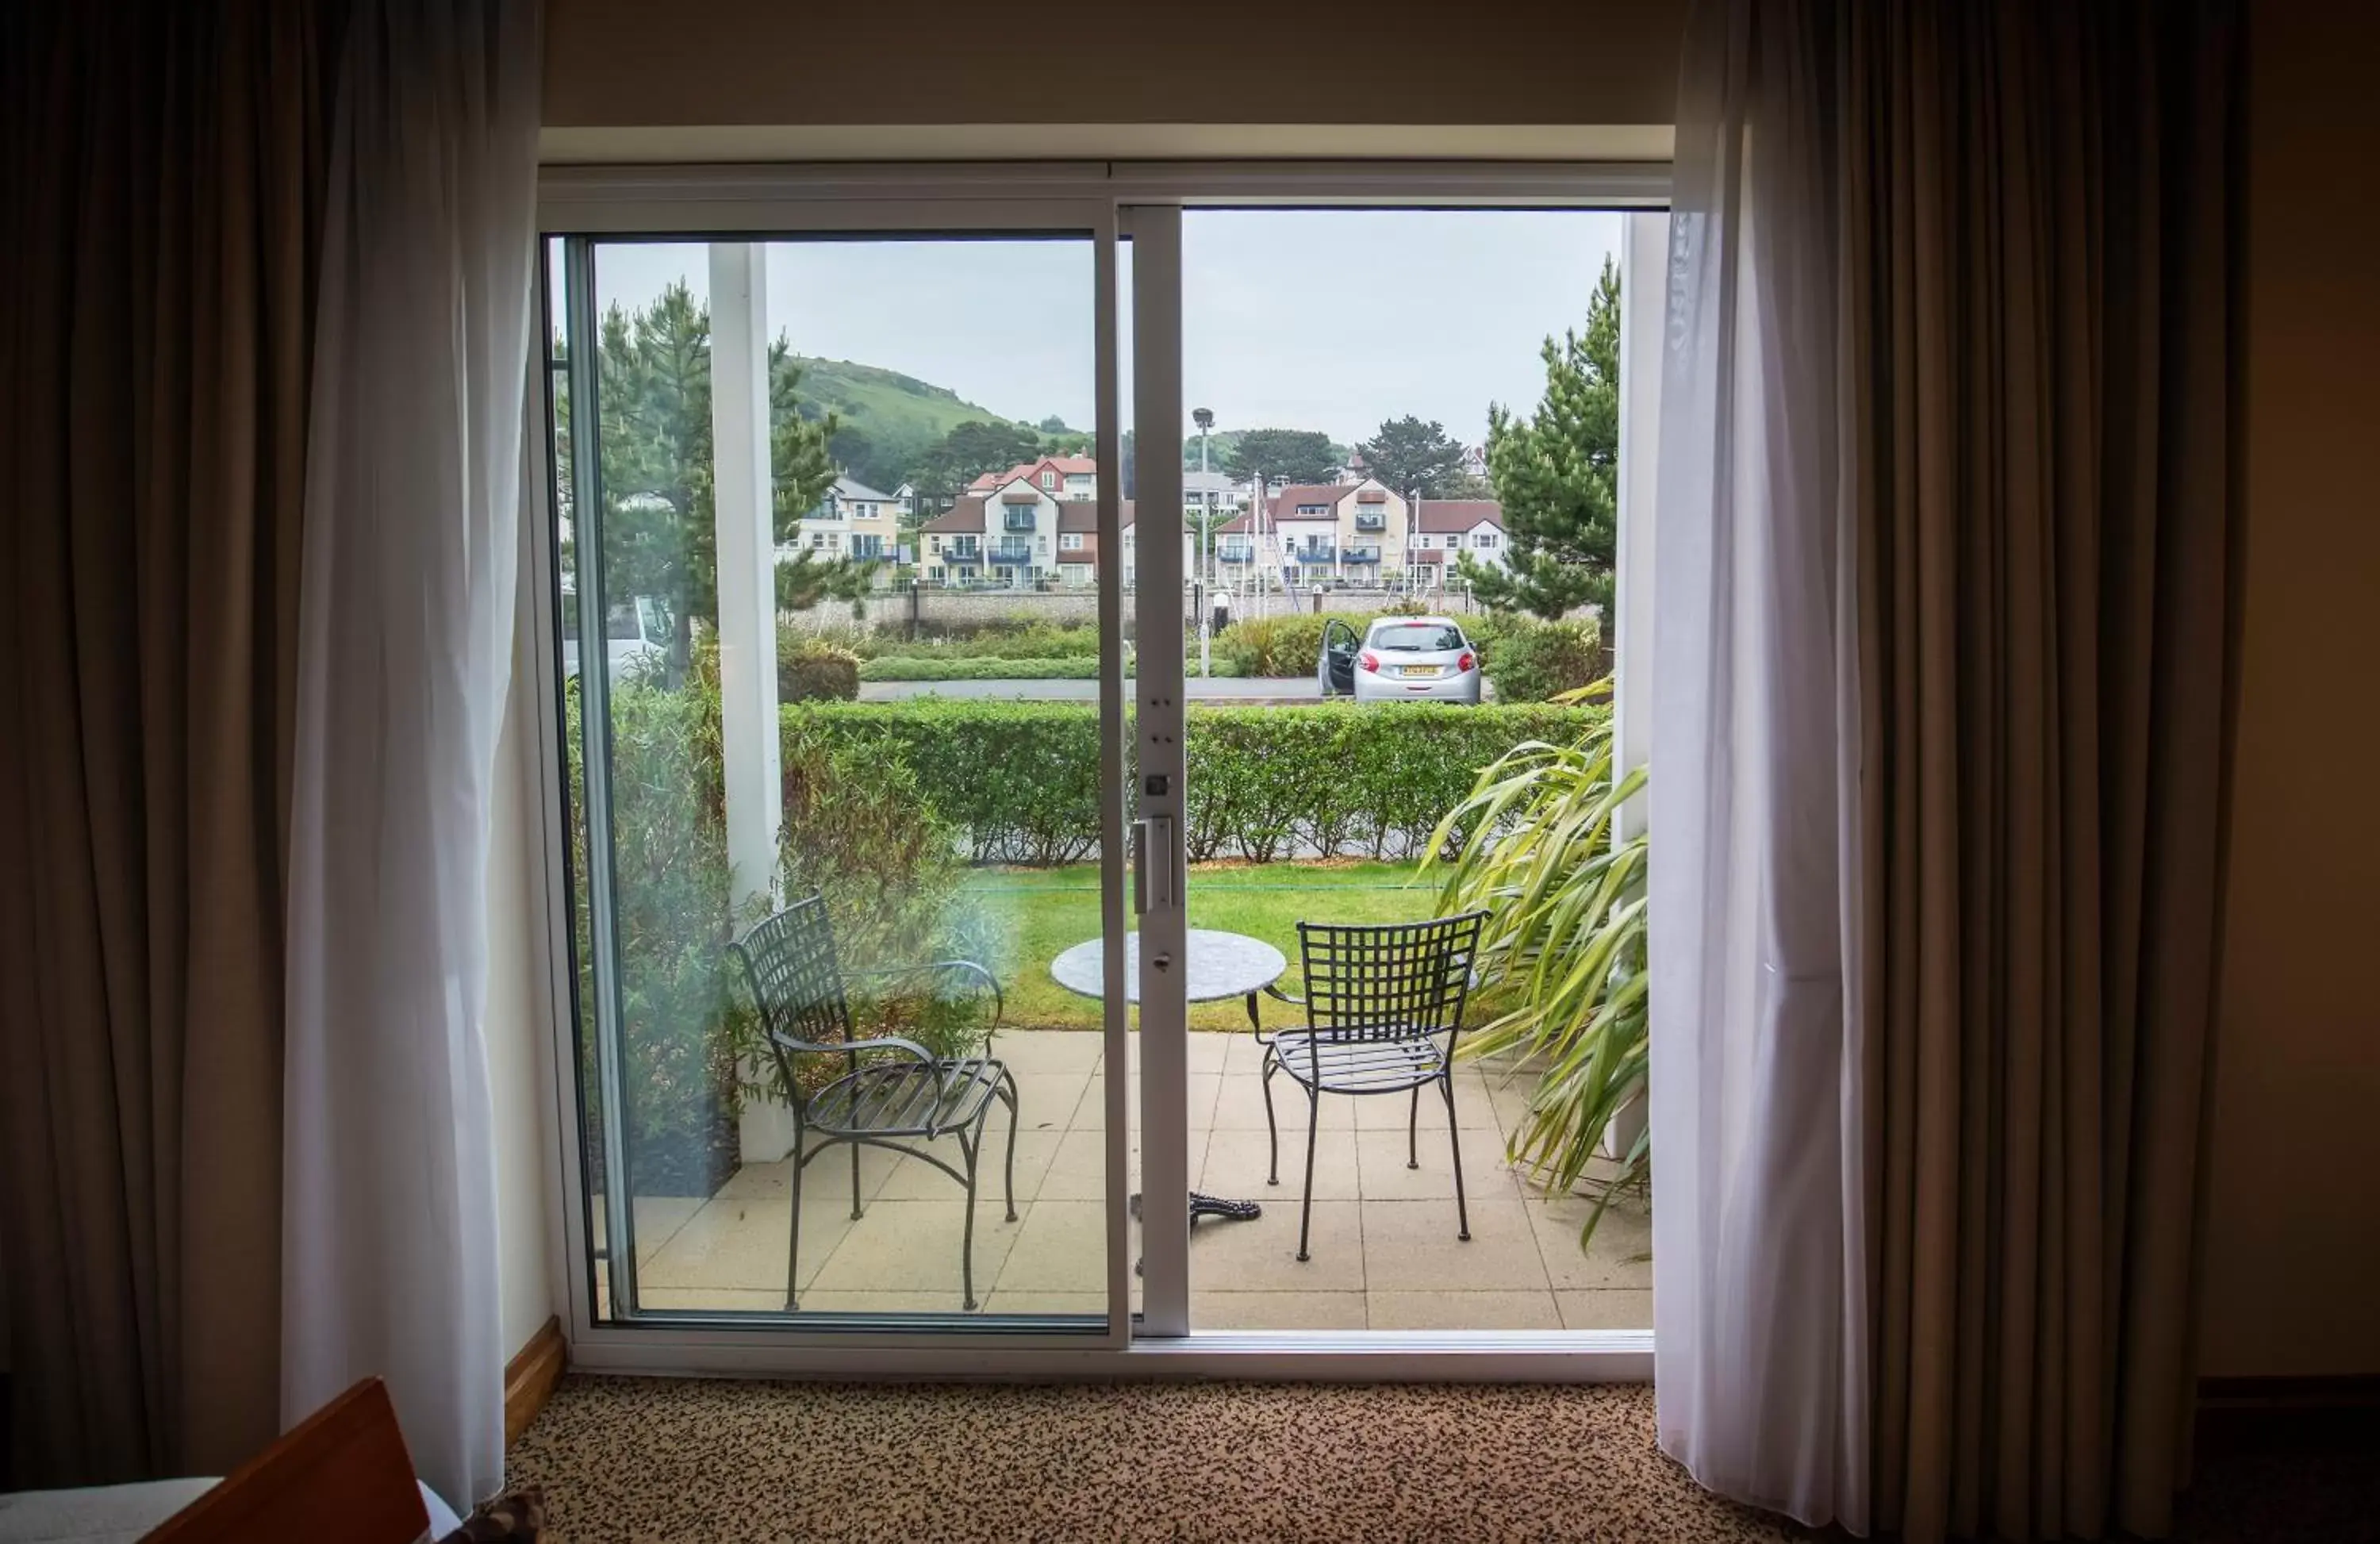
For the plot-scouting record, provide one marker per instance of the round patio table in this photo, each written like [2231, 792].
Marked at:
[1219, 965]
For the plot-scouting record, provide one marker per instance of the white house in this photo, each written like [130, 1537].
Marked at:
[1444, 527]
[1062, 476]
[1020, 534]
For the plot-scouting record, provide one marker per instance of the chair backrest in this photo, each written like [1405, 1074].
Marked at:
[789, 964]
[1390, 981]
[342, 1473]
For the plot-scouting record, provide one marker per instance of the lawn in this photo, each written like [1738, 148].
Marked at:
[1040, 912]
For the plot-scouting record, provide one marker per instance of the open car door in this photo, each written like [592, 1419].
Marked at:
[1335, 673]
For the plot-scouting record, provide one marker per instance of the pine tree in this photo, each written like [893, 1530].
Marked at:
[1558, 476]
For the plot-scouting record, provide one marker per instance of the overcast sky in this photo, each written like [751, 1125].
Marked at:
[1325, 320]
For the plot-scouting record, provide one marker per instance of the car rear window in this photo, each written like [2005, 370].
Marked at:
[1418, 637]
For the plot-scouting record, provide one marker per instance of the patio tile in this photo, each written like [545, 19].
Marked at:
[1026, 1051]
[1091, 1114]
[711, 1299]
[914, 1246]
[739, 1242]
[1235, 1163]
[1462, 1310]
[1078, 1170]
[1277, 1311]
[913, 1181]
[1239, 1105]
[1621, 1255]
[1060, 1247]
[1205, 1051]
[1380, 1160]
[657, 1220]
[1608, 1308]
[1048, 1302]
[1242, 1053]
[1262, 1256]
[1389, 1111]
[1508, 1098]
[1412, 1246]
[1046, 1101]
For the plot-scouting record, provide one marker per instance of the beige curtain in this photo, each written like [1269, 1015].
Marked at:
[2036, 253]
[162, 177]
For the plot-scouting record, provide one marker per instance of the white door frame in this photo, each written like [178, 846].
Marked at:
[1104, 201]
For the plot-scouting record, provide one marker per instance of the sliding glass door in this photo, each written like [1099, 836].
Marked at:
[1003, 924]
[840, 702]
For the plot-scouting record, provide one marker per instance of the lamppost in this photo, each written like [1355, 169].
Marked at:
[1204, 591]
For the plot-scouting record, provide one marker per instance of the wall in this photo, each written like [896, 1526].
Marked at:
[2293, 1271]
[518, 1023]
[760, 62]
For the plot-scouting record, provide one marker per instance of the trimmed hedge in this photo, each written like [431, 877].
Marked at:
[917, 667]
[811, 671]
[1020, 780]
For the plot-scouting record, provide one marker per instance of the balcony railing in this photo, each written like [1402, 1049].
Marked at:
[1371, 520]
[1367, 554]
[1018, 518]
[1312, 554]
[965, 551]
[1233, 551]
[1012, 552]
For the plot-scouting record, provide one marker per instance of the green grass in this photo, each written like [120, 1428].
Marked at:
[900, 414]
[1039, 913]
[916, 667]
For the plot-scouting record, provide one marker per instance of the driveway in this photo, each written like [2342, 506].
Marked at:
[1285, 688]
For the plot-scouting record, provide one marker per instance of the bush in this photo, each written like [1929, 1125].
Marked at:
[1023, 640]
[1529, 661]
[1288, 645]
[810, 670]
[1019, 781]
[913, 667]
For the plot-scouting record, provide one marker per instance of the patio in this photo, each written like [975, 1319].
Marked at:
[1384, 1250]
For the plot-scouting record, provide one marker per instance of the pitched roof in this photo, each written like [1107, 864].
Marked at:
[963, 518]
[852, 488]
[1286, 503]
[1446, 517]
[1065, 466]
[1084, 515]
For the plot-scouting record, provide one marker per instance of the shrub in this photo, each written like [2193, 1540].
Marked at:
[1019, 781]
[1281, 645]
[1529, 661]
[913, 667]
[1026, 641]
[810, 670]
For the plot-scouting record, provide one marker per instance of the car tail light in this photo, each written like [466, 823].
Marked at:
[1466, 661]
[1371, 661]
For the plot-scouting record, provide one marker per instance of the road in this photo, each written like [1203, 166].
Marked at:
[1290, 688]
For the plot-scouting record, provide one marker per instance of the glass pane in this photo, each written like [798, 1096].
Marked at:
[1375, 435]
[835, 899]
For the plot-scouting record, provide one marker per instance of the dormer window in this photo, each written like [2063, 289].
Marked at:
[1048, 480]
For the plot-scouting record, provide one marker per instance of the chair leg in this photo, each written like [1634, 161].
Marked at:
[794, 1250]
[1305, 1204]
[1454, 1137]
[966, 1243]
[855, 1181]
[1412, 1131]
[1272, 1132]
[1013, 1110]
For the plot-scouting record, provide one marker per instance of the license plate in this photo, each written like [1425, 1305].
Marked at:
[1414, 670]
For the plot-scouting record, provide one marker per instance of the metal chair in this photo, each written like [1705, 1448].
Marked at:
[1383, 1009]
[892, 1092]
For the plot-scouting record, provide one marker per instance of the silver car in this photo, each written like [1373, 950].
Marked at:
[1400, 659]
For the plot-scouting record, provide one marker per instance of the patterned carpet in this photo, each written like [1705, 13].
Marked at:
[634, 1458]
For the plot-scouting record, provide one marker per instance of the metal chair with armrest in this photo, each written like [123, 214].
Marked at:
[894, 1092]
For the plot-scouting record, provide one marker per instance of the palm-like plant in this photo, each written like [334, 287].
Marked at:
[1563, 954]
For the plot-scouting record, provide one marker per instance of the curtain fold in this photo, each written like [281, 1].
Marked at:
[1978, 262]
[412, 493]
[162, 169]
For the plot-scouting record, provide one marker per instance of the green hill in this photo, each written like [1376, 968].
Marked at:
[885, 419]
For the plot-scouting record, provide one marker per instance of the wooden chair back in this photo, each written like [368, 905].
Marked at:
[342, 1473]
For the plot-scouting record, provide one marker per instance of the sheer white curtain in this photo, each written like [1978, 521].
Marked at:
[412, 491]
[1758, 1109]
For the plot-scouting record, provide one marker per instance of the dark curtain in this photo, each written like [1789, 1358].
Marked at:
[164, 175]
[2036, 240]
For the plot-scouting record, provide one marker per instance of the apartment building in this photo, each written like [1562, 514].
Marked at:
[852, 520]
[1352, 532]
[1062, 476]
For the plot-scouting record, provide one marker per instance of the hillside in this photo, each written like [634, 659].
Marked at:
[886, 418]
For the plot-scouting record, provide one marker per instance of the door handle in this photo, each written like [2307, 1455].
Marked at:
[1152, 843]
